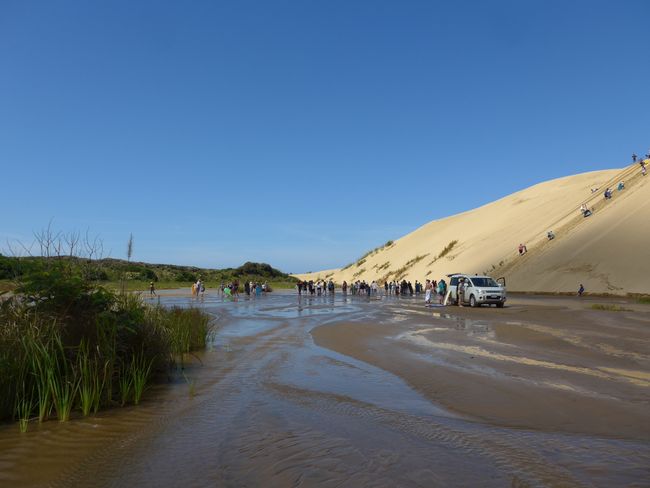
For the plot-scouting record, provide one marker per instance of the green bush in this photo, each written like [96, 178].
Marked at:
[68, 344]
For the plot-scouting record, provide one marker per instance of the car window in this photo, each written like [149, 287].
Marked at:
[485, 282]
[454, 281]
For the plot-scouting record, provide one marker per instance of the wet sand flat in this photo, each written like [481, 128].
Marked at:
[352, 392]
[544, 364]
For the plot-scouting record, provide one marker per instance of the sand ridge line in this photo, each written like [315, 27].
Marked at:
[633, 377]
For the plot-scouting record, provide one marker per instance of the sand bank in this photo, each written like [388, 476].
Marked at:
[543, 363]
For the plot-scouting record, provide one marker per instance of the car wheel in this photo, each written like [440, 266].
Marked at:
[499, 305]
[472, 301]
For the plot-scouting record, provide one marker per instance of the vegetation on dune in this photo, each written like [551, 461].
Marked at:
[401, 272]
[372, 252]
[381, 267]
[448, 248]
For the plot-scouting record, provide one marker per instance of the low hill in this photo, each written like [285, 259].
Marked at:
[607, 252]
[113, 270]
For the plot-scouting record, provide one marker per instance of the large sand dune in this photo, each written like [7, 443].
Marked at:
[608, 252]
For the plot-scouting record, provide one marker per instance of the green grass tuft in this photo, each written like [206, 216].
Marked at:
[609, 307]
[448, 248]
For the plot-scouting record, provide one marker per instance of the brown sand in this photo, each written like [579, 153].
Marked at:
[548, 364]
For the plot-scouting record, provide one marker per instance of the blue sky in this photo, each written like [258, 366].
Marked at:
[303, 133]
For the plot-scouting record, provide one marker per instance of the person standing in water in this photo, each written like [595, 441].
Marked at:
[442, 290]
[427, 292]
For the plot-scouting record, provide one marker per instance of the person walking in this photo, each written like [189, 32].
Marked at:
[581, 290]
[427, 292]
[152, 289]
[442, 290]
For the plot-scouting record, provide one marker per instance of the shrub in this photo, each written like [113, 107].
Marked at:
[66, 344]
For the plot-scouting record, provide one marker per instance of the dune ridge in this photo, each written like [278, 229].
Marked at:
[608, 252]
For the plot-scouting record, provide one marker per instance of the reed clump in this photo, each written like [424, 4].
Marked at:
[608, 307]
[69, 345]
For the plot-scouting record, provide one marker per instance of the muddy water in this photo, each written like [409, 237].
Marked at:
[265, 406]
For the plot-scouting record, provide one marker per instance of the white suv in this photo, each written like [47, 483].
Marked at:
[478, 290]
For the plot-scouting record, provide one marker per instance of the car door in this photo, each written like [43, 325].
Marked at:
[453, 288]
[469, 289]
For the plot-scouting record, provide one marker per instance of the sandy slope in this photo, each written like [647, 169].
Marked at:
[607, 252]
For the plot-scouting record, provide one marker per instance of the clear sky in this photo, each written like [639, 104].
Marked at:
[303, 133]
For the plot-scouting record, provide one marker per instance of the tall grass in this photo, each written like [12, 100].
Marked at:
[63, 381]
[41, 362]
[139, 372]
[91, 380]
[68, 346]
[125, 384]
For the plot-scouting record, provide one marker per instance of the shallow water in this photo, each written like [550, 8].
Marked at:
[270, 408]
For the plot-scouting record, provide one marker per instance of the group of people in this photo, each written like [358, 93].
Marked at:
[318, 287]
[607, 194]
[198, 288]
[256, 289]
[401, 288]
[433, 289]
[359, 287]
[641, 162]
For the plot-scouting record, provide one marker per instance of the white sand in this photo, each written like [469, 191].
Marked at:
[607, 252]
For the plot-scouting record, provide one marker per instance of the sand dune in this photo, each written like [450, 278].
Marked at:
[608, 252]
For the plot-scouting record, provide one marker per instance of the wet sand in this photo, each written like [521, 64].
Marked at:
[351, 392]
[542, 363]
